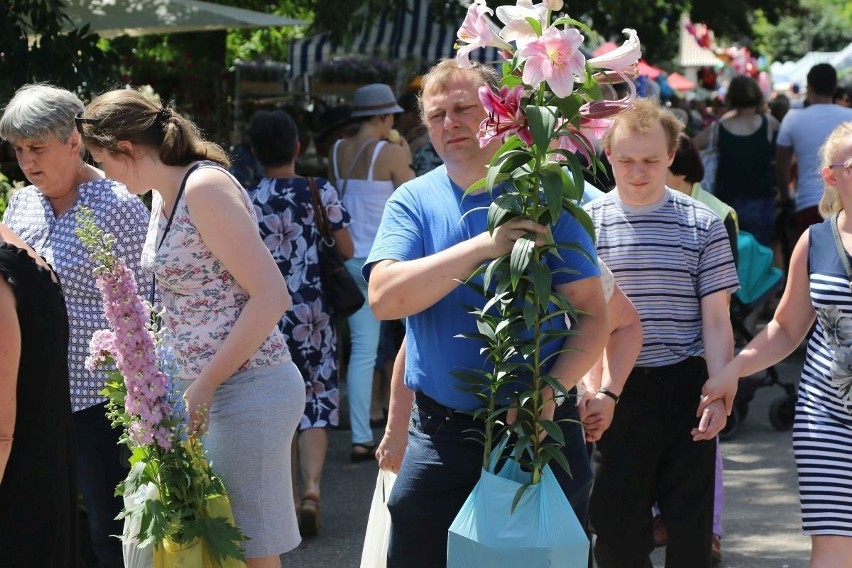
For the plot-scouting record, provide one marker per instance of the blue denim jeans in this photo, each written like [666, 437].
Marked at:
[364, 331]
[101, 465]
[441, 466]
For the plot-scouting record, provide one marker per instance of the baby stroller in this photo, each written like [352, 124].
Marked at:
[759, 279]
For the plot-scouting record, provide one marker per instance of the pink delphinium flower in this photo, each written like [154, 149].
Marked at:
[555, 57]
[135, 354]
[476, 32]
[101, 346]
[505, 116]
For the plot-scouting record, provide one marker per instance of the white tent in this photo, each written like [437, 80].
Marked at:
[110, 18]
[789, 73]
[406, 34]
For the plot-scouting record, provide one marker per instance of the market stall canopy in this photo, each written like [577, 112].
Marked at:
[110, 18]
[679, 83]
[410, 33]
[648, 70]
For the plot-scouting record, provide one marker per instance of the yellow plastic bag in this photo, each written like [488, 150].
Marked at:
[174, 555]
[220, 506]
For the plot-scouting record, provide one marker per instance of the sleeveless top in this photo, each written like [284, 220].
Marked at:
[365, 200]
[745, 164]
[38, 496]
[202, 300]
[827, 373]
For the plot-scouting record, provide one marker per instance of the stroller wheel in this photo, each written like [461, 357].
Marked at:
[732, 425]
[782, 412]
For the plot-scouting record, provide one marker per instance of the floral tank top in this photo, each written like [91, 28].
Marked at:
[202, 300]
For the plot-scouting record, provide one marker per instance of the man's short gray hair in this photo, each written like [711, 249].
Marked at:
[40, 111]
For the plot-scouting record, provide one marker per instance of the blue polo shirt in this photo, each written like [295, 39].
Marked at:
[428, 215]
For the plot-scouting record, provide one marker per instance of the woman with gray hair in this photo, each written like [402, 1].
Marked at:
[39, 124]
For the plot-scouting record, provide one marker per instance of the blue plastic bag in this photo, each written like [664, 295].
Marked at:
[541, 531]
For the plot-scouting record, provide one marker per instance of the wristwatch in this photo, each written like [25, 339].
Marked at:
[609, 393]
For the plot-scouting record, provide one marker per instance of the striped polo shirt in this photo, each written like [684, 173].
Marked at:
[666, 257]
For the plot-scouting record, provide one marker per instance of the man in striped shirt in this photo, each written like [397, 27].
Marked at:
[671, 256]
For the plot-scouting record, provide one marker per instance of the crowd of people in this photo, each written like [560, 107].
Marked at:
[650, 364]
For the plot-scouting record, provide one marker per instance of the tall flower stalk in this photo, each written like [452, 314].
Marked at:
[548, 110]
[142, 400]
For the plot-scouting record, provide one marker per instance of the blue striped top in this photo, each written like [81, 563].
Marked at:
[666, 257]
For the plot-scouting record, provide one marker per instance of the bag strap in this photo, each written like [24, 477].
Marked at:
[352, 165]
[841, 250]
[320, 214]
[714, 135]
[169, 225]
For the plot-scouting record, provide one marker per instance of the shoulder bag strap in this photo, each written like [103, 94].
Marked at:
[844, 257]
[320, 215]
[169, 226]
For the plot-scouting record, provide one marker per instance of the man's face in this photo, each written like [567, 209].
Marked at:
[452, 115]
[640, 163]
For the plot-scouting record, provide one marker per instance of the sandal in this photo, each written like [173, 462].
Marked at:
[309, 516]
[363, 452]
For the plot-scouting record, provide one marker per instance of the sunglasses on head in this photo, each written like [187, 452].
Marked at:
[79, 121]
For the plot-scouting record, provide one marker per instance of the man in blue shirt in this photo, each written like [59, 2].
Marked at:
[428, 242]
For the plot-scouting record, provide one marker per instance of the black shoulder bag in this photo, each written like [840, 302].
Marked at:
[343, 297]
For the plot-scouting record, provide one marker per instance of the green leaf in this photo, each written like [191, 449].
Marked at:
[500, 211]
[542, 122]
[553, 430]
[522, 253]
[551, 185]
[542, 283]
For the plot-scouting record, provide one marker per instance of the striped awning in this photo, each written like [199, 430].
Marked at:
[406, 34]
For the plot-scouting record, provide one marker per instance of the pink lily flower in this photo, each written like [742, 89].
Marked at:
[555, 57]
[475, 32]
[505, 116]
[607, 108]
[623, 58]
[517, 28]
[582, 140]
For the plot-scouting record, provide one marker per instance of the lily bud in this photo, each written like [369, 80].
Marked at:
[553, 5]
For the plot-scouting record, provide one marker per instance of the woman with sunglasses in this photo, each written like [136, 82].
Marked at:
[223, 296]
[39, 125]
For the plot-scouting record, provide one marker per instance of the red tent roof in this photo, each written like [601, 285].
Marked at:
[649, 70]
[680, 83]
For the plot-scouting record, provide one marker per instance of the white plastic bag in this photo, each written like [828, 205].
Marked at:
[375, 553]
[135, 557]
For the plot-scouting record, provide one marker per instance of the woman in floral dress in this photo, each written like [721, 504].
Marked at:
[285, 209]
[818, 289]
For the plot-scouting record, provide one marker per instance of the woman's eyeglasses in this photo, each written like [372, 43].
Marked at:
[79, 121]
[847, 165]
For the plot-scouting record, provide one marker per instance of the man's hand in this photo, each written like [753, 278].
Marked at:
[713, 419]
[392, 449]
[596, 413]
[504, 236]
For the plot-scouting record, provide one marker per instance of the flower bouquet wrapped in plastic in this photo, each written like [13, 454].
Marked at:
[549, 108]
[177, 512]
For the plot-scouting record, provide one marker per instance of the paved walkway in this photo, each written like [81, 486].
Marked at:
[761, 518]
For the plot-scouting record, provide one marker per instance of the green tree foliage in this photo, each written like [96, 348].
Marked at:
[36, 45]
[820, 25]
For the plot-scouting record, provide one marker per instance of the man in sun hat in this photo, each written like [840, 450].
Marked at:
[366, 169]
[430, 240]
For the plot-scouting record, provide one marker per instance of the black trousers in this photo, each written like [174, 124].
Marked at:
[648, 456]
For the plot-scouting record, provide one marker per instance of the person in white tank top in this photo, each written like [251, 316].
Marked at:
[366, 168]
